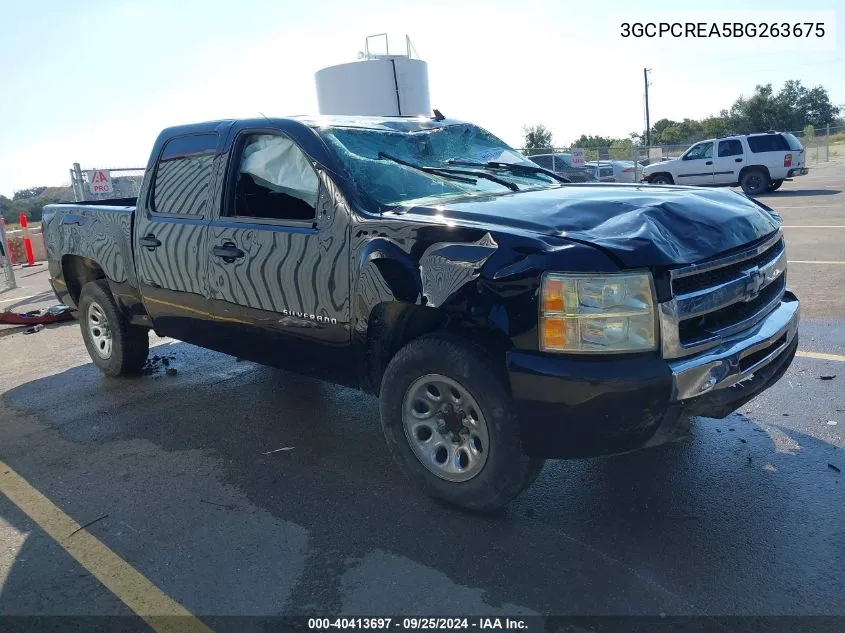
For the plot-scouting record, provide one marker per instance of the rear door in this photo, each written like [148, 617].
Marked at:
[279, 260]
[171, 233]
[696, 165]
[729, 160]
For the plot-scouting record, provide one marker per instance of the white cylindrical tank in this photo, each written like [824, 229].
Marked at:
[383, 85]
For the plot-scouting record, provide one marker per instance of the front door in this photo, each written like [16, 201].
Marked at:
[279, 260]
[696, 166]
[728, 162]
[170, 236]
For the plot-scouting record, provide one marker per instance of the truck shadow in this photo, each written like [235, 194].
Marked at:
[687, 528]
[793, 193]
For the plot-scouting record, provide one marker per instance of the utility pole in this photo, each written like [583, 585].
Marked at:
[647, 119]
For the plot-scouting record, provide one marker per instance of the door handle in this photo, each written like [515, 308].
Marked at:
[149, 242]
[709, 162]
[228, 252]
[737, 160]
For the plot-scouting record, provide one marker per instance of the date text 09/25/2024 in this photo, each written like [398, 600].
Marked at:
[423, 624]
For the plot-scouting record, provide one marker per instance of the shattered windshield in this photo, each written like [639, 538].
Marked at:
[370, 156]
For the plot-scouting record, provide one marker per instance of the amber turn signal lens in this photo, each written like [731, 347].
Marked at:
[553, 295]
[553, 333]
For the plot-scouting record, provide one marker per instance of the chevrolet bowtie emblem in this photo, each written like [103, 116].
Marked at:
[755, 279]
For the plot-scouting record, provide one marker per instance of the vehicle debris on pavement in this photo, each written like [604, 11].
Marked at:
[284, 448]
[53, 314]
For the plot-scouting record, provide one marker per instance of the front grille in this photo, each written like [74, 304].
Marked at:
[708, 325]
[716, 276]
[747, 362]
[721, 298]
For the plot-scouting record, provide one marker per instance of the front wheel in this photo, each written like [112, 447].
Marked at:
[449, 422]
[661, 179]
[115, 346]
[775, 185]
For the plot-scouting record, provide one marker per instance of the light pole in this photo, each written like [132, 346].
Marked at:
[647, 119]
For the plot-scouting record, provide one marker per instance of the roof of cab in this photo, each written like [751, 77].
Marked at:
[383, 123]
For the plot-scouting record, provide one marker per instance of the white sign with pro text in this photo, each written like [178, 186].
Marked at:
[99, 181]
[577, 157]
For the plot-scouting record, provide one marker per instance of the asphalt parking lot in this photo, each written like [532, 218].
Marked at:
[183, 480]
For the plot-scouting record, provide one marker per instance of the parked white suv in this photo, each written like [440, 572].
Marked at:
[756, 162]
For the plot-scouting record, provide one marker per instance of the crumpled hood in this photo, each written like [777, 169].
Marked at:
[641, 225]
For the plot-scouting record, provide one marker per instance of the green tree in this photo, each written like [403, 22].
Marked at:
[594, 142]
[32, 192]
[538, 139]
[809, 131]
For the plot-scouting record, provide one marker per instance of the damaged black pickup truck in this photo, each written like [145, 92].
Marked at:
[501, 315]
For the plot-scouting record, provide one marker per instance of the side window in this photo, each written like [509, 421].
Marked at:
[183, 175]
[543, 161]
[732, 147]
[702, 150]
[768, 143]
[275, 180]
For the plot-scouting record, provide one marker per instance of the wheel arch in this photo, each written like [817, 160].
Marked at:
[748, 168]
[653, 176]
[394, 324]
[77, 271]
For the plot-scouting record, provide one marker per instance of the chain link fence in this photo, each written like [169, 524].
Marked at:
[624, 163]
[123, 182]
[7, 275]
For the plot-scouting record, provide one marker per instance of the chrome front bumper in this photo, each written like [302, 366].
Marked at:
[738, 358]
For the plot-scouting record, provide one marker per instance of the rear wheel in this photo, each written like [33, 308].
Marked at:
[775, 185]
[449, 422]
[661, 179]
[115, 346]
[754, 182]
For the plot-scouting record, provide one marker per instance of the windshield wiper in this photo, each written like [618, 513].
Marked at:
[454, 174]
[514, 167]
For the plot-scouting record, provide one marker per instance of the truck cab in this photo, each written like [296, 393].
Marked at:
[502, 315]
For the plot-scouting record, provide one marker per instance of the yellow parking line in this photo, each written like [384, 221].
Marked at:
[820, 356]
[157, 609]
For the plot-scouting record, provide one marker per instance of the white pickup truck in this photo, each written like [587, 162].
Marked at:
[756, 162]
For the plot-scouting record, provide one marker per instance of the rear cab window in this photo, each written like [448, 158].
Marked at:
[183, 175]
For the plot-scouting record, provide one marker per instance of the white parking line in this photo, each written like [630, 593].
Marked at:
[812, 226]
[17, 299]
[800, 261]
[812, 206]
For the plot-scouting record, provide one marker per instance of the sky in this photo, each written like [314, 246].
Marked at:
[94, 81]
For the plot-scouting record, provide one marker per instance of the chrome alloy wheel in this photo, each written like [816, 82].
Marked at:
[99, 330]
[445, 428]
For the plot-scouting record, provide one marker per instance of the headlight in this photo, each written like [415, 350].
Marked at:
[597, 313]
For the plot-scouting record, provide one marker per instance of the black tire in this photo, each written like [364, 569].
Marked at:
[661, 179]
[775, 185]
[507, 470]
[754, 182]
[129, 345]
